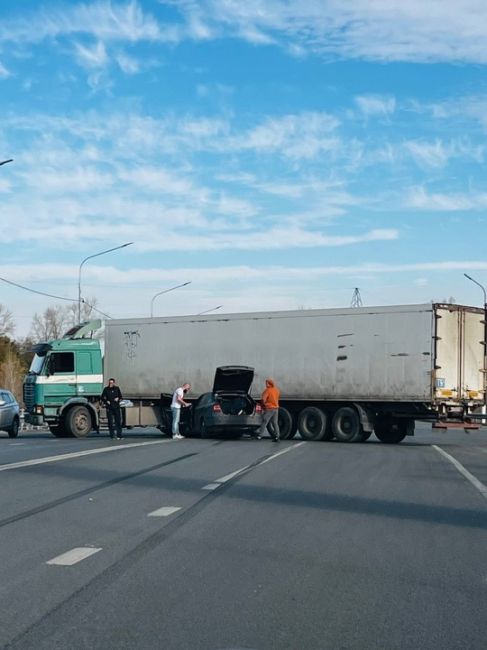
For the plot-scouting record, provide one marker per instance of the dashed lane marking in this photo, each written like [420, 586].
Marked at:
[464, 472]
[211, 486]
[165, 511]
[73, 556]
[76, 454]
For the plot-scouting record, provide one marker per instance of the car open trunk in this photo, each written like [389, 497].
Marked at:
[235, 404]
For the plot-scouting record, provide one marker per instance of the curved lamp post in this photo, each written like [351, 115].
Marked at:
[178, 286]
[90, 257]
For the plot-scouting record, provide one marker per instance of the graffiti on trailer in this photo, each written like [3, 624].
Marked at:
[131, 339]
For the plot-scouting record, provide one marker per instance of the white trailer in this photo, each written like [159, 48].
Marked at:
[343, 373]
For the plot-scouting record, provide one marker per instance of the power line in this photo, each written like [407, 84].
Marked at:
[50, 295]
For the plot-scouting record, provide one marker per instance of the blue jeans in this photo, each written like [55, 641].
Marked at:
[176, 415]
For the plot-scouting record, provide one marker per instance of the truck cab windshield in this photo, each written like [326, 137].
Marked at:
[37, 363]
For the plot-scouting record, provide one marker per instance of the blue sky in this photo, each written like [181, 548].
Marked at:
[274, 153]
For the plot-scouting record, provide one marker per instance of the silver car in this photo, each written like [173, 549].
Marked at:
[9, 413]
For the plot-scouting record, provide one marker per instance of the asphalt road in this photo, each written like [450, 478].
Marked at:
[149, 543]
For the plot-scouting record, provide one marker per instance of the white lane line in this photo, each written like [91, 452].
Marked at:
[76, 454]
[211, 486]
[226, 478]
[165, 511]
[284, 451]
[16, 444]
[73, 556]
[470, 477]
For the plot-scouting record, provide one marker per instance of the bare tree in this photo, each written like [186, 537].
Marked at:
[12, 371]
[87, 307]
[51, 324]
[7, 325]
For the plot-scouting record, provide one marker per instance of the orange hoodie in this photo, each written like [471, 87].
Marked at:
[270, 397]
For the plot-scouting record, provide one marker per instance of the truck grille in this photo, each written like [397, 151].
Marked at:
[29, 396]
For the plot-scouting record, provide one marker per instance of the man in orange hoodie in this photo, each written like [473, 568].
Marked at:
[270, 404]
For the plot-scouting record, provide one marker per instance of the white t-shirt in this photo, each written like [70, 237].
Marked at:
[179, 392]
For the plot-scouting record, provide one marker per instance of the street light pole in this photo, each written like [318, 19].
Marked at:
[178, 286]
[485, 334]
[207, 311]
[90, 257]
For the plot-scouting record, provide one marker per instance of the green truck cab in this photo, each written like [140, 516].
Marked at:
[64, 383]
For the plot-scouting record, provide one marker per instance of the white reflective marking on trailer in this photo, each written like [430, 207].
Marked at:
[470, 477]
[165, 511]
[284, 451]
[211, 486]
[73, 556]
[76, 454]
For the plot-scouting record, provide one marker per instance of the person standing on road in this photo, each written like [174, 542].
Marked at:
[111, 398]
[270, 417]
[176, 405]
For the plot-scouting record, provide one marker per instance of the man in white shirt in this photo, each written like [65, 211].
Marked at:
[176, 405]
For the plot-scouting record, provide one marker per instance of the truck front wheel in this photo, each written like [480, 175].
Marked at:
[312, 423]
[346, 425]
[78, 422]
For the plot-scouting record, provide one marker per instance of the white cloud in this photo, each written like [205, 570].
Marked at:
[92, 57]
[371, 105]
[387, 30]
[4, 73]
[103, 20]
[128, 64]
[438, 154]
[439, 201]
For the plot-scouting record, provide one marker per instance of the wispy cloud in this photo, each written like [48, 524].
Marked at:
[4, 73]
[92, 57]
[420, 198]
[372, 105]
[438, 30]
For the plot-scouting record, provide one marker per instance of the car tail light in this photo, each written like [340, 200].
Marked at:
[217, 408]
[258, 408]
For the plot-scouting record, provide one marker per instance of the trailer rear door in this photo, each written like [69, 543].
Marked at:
[460, 371]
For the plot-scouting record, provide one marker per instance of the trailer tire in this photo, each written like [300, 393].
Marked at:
[312, 423]
[392, 432]
[287, 428]
[346, 425]
[78, 421]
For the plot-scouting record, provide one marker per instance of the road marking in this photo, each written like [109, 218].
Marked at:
[470, 477]
[165, 511]
[211, 486]
[284, 451]
[16, 444]
[73, 556]
[76, 454]
[226, 478]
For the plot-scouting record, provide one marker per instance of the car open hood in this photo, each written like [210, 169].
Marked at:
[233, 379]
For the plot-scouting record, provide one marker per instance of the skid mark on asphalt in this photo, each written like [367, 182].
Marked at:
[76, 454]
[90, 490]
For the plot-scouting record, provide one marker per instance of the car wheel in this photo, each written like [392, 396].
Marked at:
[13, 432]
[203, 429]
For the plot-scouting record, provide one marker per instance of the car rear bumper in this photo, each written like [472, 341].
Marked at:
[223, 422]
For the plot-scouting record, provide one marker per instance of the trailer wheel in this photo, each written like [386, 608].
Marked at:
[13, 432]
[78, 422]
[392, 432]
[312, 423]
[346, 425]
[287, 428]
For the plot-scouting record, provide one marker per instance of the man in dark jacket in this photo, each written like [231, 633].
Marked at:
[111, 398]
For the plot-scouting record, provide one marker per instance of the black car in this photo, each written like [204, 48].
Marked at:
[228, 408]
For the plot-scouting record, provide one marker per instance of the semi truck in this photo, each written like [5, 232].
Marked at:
[343, 373]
